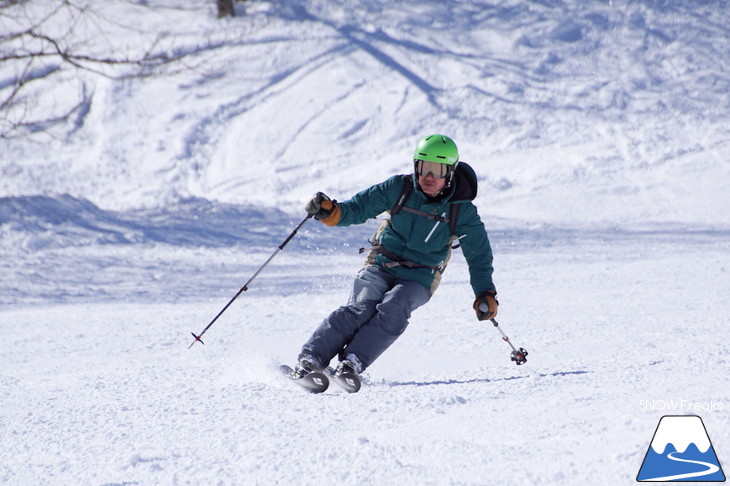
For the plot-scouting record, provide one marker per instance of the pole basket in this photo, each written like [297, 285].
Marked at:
[519, 356]
[197, 340]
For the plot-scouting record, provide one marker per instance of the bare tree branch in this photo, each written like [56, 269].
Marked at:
[36, 55]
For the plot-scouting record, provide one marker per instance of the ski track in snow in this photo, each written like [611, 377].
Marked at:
[557, 106]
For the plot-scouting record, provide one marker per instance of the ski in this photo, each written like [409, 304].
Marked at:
[315, 382]
[349, 382]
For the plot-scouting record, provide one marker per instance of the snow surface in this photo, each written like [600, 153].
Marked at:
[599, 131]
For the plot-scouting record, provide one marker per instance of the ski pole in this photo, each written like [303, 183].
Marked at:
[519, 356]
[245, 286]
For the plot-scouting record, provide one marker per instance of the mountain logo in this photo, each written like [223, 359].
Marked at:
[681, 451]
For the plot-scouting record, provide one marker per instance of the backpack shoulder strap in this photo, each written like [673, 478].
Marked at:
[404, 195]
[403, 199]
[453, 213]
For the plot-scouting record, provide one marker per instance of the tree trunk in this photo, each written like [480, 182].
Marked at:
[225, 8]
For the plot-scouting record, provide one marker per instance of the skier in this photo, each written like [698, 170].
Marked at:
[430, 210]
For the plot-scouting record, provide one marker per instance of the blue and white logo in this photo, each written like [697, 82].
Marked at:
[681, 451]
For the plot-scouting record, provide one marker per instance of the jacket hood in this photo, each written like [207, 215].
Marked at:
[464, 185]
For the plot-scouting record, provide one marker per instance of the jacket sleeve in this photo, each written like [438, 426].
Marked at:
[371, 202]
[476, 248]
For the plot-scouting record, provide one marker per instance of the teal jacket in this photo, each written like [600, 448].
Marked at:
[427, 242]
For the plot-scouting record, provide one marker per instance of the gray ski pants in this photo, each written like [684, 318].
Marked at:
[375, 315]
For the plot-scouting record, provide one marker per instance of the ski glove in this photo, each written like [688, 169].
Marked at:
[323, 209]
[486, 305]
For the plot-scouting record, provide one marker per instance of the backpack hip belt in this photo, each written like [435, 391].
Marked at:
[399, 261]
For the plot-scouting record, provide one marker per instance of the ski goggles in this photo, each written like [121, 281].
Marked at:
[438, 170]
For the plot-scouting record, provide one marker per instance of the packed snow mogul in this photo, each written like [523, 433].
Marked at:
[431, 212]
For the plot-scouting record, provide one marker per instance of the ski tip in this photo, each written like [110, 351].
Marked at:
[314, 382]
[350, 383]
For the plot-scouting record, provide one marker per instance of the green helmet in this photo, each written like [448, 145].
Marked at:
[437, 148]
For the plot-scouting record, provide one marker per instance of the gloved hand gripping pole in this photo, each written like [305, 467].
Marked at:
[245, 286]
